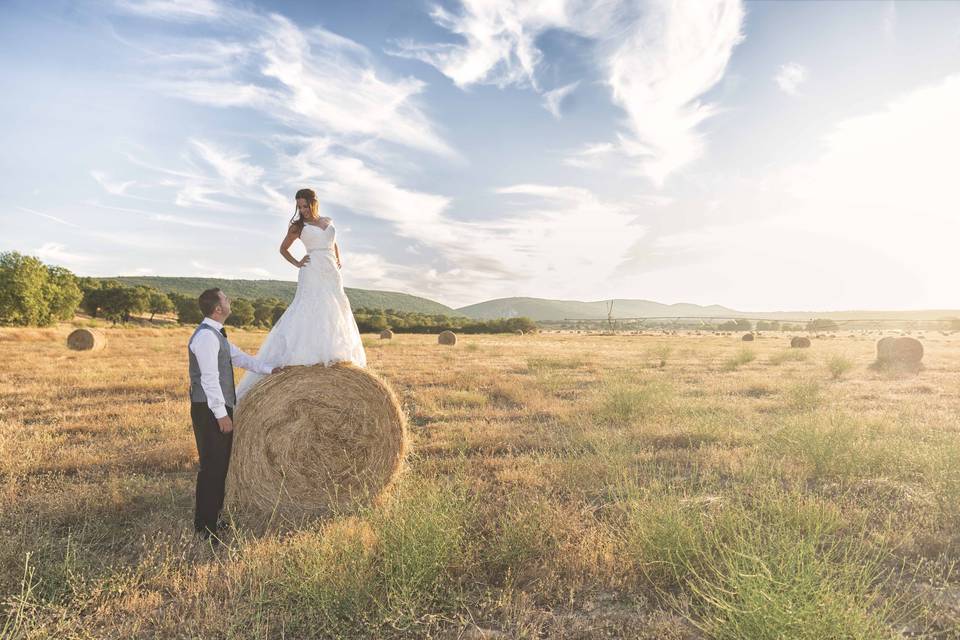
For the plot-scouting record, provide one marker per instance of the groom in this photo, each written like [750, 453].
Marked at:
[212, 399]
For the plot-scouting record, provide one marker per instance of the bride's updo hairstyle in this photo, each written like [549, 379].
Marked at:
[311, 197]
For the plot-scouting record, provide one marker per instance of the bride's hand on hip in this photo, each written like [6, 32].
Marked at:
[304, 260]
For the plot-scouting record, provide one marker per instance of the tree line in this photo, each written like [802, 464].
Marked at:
[35, 294]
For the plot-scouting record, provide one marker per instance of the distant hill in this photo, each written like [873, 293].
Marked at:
[543, 309]
[284, 290]
[538, 309]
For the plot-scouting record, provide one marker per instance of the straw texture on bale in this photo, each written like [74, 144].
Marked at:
[311, 441]
[519, 332]
[86, 340]
[902, 351]
[447, 337]
[747, 337]
[800, 342]
[386, 334]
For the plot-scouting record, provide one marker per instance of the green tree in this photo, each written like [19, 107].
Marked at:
[822, 324]
[62, 293]
[90, 303]
[21, 288]
[188, 309]
[118, 303]
[263, 311]
[158, 302]
[277, 312]
[241, 313]
[737, 324]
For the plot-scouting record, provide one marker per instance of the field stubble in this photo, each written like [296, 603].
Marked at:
[559, 486]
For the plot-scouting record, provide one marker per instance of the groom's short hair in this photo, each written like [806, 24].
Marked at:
[209, 300]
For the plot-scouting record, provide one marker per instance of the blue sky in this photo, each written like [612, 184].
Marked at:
[765, 156]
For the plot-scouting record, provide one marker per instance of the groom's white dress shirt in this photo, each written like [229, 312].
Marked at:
[205, 347]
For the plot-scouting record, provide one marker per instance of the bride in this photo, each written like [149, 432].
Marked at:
[318, 326]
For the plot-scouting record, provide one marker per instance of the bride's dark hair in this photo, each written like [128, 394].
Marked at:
[311, 197]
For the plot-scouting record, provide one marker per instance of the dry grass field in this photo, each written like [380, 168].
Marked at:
[560, 486]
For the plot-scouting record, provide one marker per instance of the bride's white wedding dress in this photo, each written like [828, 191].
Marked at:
[318, 326]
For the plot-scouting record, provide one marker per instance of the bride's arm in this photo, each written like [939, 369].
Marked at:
[292, 234]
[336, 250]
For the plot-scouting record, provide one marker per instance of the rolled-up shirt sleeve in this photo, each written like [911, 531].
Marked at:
[205, 347]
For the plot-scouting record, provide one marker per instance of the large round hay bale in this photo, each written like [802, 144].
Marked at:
[386, 334]
[800, 342]
[86, 340]
[902, 351]
[747, 337]
[447, 337]
[518, 332]
[311, 441]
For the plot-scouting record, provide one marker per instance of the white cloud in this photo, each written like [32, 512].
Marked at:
[310, 79]
[890, 20]
[552, 100]
[112, 187]
[209, 271]
[231, 167]
[48, 217]
[591, 156]
[677, 52]
[657, 61]
[186, 10]
[500, 41]
[790, 76]
[869, 223]
[57, 253]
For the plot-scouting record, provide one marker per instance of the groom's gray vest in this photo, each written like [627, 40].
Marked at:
[224, 365]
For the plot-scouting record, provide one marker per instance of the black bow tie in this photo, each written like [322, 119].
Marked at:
[223, 331]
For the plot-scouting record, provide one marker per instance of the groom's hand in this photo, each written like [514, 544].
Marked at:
[226, 424]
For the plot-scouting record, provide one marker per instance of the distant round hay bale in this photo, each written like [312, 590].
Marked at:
[386, 334]
[86, 340]
[800, 342]
[747, 337]
[902, 351]
[447, 337]
[518, 332]
[314, 440]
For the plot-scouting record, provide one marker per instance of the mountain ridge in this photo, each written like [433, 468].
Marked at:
[537, 309]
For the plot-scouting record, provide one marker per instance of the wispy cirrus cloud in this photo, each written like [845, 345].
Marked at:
[855, 226]
[176, 10]
[553, 99]
[41, 214]
[499, 41]
[658, 73]
[57, 253]
[658, 60]
[790, 76]
[232, 167]
[312, 80]
[111, 186]
[341, 110]
[590, 156]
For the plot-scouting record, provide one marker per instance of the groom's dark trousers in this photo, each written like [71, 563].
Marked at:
[214, 449]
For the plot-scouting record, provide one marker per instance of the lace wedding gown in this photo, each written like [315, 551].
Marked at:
[318, 326]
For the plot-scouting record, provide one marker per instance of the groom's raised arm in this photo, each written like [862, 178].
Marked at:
[246, 361]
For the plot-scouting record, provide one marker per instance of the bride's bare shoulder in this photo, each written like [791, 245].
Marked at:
[326, 220]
